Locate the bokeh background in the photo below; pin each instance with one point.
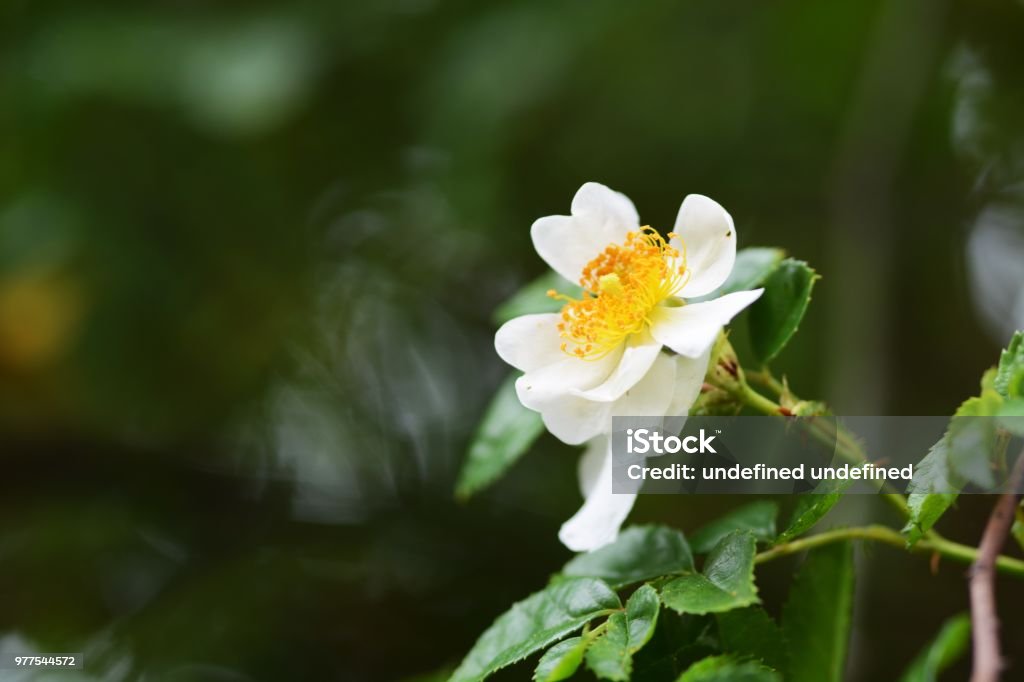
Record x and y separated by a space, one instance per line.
249 254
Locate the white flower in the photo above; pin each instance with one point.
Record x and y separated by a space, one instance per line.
598 521
602 355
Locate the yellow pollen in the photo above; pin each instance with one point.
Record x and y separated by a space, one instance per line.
621 286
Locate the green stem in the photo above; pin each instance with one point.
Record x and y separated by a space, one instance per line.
756 401
766 379
849 449
952 550
591 635
846 446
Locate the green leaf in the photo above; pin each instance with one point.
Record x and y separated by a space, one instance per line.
642 616
609 657
985 405
949 645
971 448
728 669
751 632
939 477
816 618
561 660
639 553
1009 380
756 517
753 266
536 622
932 474
1018 527
811 507
727 581
506 432
775 317
679 641
533 298
1011 416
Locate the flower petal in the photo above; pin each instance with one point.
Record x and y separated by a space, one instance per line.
598 521
575 420
690 329
588 469
530 342
652 394
603 206
637 358
599 217
709 237
690 374
537 387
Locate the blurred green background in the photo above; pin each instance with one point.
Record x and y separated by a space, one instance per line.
249 252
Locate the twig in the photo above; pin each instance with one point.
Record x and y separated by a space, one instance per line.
936 546
845 446
767 380
984 619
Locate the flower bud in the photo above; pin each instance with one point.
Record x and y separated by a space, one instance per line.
724 371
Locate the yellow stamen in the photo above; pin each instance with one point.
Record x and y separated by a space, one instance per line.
622 285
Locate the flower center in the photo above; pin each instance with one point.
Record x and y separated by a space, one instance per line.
621 286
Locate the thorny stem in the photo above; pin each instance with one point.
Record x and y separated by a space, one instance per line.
767 380
952 550
756 401
846 446
984 618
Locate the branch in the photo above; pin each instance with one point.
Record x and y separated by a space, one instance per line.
936 546
984 619
845 445
767 380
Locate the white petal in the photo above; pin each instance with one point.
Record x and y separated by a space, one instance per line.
599 217
598 521
690 374
690 329
637 358
538 387
599 205
652 395
589 467
709 237
530 342
564 244
576 420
